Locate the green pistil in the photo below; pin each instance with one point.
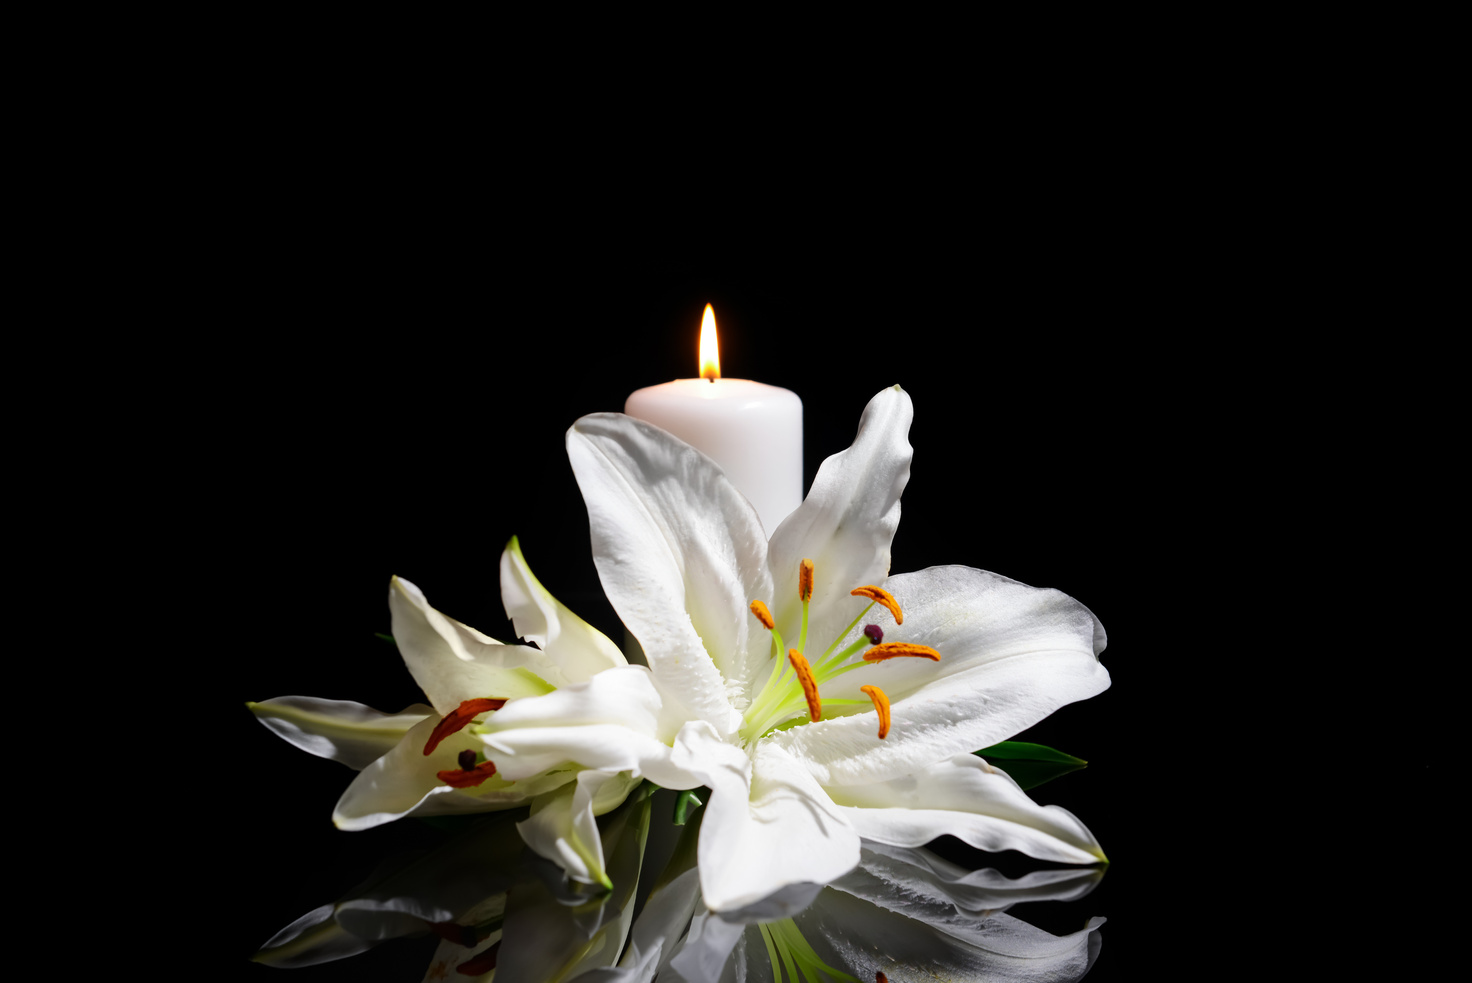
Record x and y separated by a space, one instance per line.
799 963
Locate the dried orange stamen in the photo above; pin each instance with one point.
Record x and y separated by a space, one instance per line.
457 719
881 706
467 777
883 597
805 580
893 650
763 615
809 684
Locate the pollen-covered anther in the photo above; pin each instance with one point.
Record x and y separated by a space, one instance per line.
805 580
895 650
763 615
467 777
458 718
881 707
881 596
809 684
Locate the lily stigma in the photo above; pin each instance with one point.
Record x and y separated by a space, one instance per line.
784 697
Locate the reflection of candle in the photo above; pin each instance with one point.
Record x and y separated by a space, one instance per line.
753 431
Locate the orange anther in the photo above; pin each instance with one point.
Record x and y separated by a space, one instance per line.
893 650
809 684
805 580
763 615
881 706
467 777
457 719
883 597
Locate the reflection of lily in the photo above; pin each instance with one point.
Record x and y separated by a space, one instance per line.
902 912
423 762
491 907
752 644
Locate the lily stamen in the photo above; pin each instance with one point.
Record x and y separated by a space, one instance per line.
805 594
894 650
881 707
777 703
809 684
882 596
467 777
770 624
458 719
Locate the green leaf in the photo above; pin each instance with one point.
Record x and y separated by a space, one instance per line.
387 638
1030 765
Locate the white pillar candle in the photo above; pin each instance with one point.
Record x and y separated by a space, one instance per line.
753 431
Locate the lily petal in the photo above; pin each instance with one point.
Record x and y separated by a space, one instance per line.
314 938
1010 656
339 730
562 824
452 662
863 939
971 801
768 829
847 522
555 941
578 649
919 884
405 781
656 932
681 554
616 721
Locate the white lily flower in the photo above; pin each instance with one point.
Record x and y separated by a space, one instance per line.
423 762
752 644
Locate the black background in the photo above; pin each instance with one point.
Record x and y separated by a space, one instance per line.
407 418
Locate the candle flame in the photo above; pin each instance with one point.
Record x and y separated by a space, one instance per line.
710 352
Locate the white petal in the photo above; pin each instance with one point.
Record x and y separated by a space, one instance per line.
846 524
452 662
554 941
312 939
660 925
681 555
862 939
971 801
705 950
1010 656
614 722
576 647
770 830
337 729
562 824
404 781
919 884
